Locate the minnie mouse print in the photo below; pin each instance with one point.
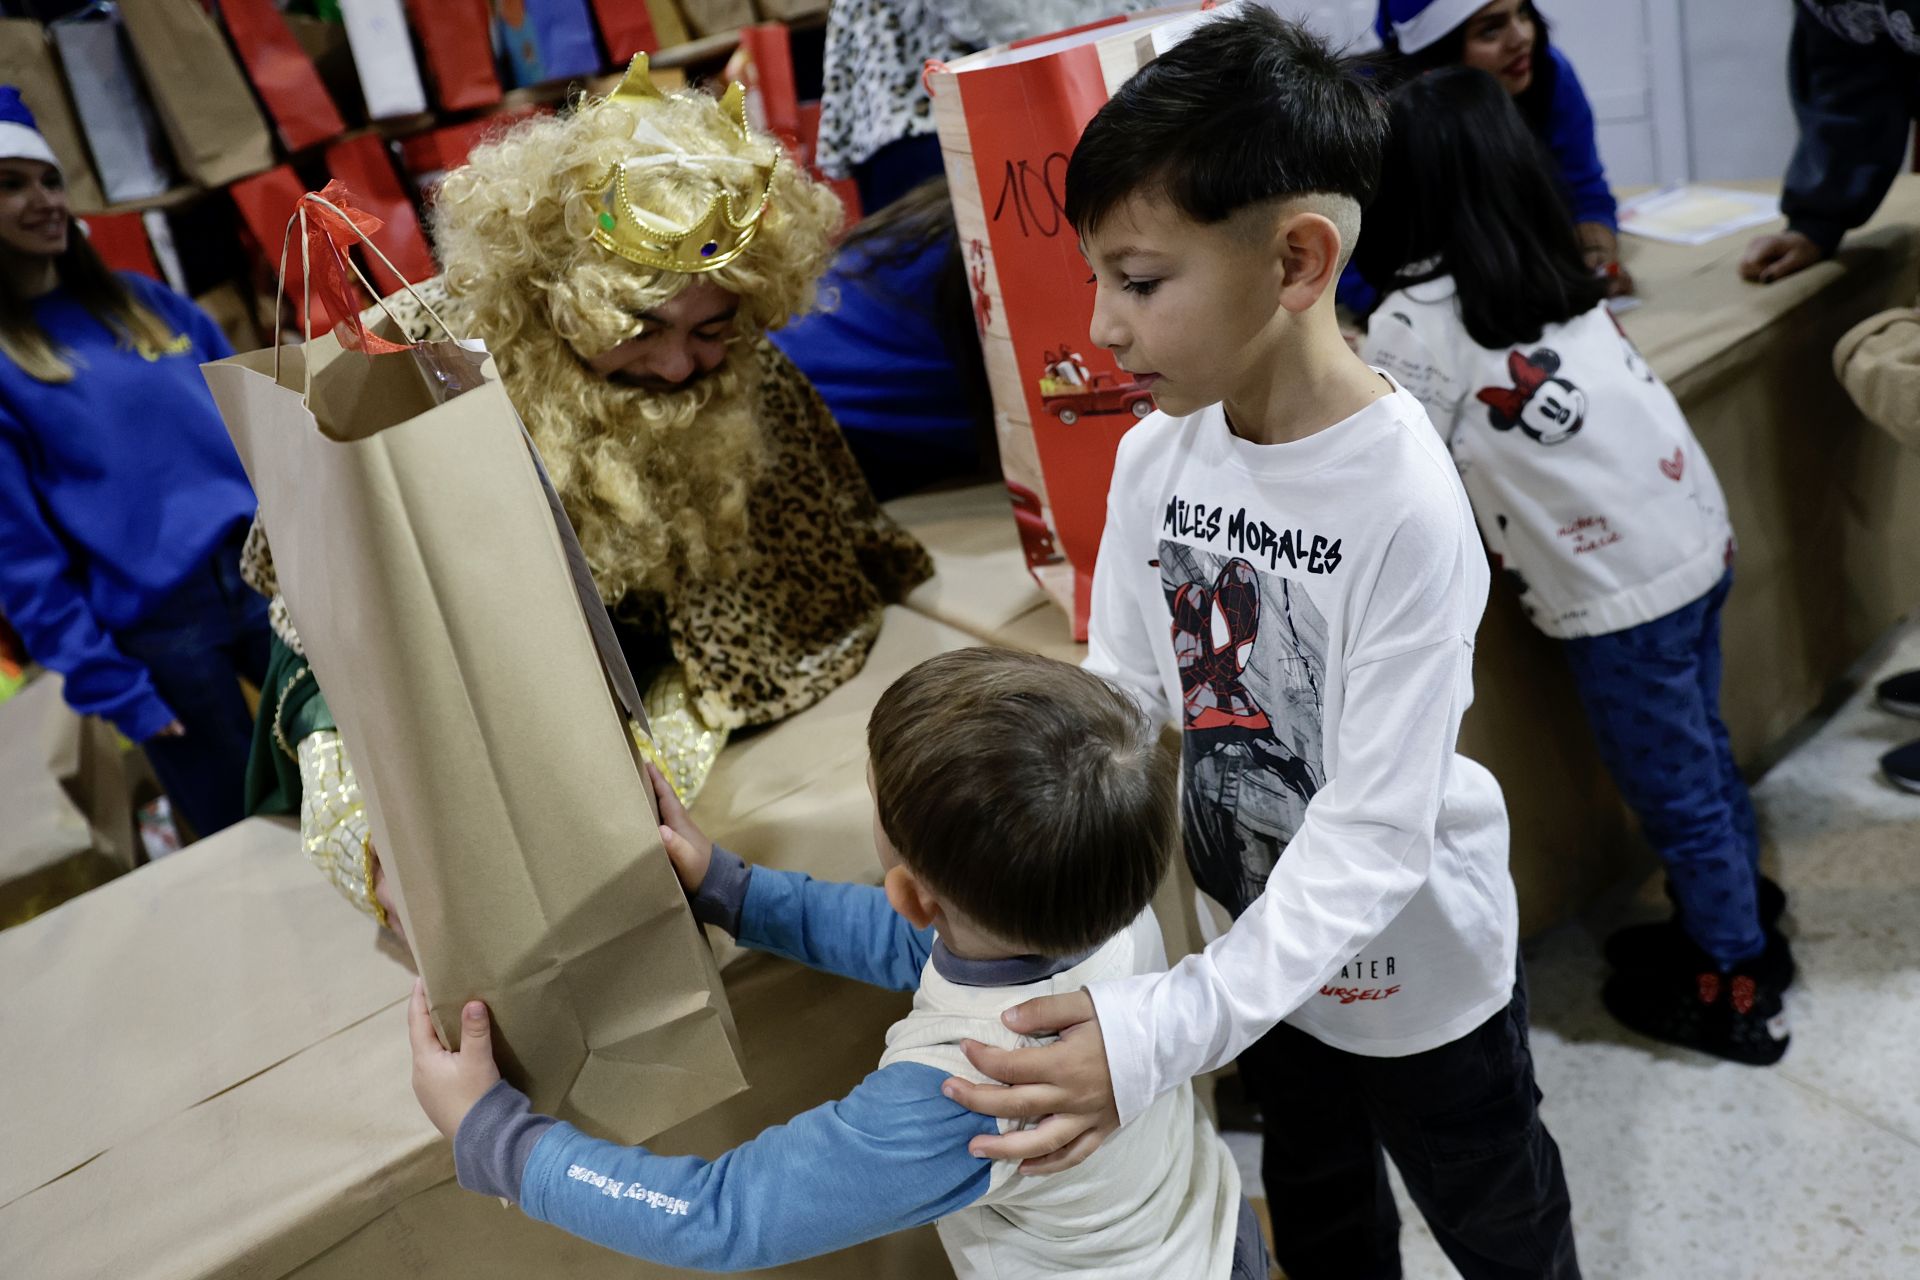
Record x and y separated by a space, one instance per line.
1547 408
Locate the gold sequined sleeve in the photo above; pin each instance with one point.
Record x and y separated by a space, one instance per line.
333 820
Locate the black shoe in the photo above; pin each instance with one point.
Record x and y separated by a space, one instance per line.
1646 950
1736 1016
1902 767
1901 694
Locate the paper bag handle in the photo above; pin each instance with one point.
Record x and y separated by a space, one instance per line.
299 217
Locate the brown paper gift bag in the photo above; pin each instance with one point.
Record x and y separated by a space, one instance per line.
209 112
66 816
27 62
428 568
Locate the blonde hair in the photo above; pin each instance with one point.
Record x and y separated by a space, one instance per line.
93 286
653 499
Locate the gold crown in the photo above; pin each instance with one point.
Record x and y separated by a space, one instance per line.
721 234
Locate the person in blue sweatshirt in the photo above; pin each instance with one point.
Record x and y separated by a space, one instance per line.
1508 40
894 351
1853 70
122 501
1025 812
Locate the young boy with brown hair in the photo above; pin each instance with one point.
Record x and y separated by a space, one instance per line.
1024 815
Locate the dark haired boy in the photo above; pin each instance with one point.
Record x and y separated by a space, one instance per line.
1290 567
1024 814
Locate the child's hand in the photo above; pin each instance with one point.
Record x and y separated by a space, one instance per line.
1064 1085
687 846
1777 256
448 1084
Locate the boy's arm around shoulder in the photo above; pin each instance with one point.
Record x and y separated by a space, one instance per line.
890 1155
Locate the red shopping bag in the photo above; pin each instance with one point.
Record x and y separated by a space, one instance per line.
362 164
303 111
121 241
265 202
630 27
456 36
1008 119
429 157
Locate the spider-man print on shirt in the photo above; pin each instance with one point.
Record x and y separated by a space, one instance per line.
1251 651
1546 408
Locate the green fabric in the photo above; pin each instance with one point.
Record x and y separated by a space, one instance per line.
273 777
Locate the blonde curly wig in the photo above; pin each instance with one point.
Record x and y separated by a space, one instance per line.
655 484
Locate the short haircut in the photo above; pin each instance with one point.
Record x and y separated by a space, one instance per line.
1031 795
1248 109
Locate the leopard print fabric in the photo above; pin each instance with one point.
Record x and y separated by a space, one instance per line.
799 620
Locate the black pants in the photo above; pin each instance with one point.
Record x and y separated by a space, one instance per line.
1462 1123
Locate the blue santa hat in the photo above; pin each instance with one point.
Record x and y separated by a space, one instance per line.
19 134
1415 24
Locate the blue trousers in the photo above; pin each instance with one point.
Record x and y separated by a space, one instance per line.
1652 694
197 645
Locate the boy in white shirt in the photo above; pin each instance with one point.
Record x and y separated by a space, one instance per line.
1290 567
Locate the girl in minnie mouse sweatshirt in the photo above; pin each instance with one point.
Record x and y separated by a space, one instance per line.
1602 510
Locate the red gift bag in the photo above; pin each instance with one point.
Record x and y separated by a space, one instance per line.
265 202
428 157
456 36
362 164
1008 119
630 27
285 76
121 241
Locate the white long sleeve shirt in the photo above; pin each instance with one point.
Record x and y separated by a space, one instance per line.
1306 612
1591 491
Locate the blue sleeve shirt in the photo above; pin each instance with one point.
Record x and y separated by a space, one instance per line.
113 487
890 1155
1570 136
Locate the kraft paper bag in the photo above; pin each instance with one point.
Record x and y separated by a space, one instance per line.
437 589
210 115
122 133
710 17
27 63
66 817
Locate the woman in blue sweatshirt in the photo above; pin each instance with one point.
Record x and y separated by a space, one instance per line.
122 502
1508 40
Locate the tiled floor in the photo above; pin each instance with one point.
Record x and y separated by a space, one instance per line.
1686 1168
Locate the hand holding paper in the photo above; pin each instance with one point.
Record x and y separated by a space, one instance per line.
688 847
447 1084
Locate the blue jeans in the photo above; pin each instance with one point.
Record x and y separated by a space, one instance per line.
1652 694
197 646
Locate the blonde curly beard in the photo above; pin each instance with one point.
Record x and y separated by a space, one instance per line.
656 483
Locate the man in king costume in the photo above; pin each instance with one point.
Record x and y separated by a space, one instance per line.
623 263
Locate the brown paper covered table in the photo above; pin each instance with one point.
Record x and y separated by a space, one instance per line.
207 1060
1827 511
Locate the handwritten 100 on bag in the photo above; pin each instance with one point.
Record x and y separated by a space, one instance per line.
1008 119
